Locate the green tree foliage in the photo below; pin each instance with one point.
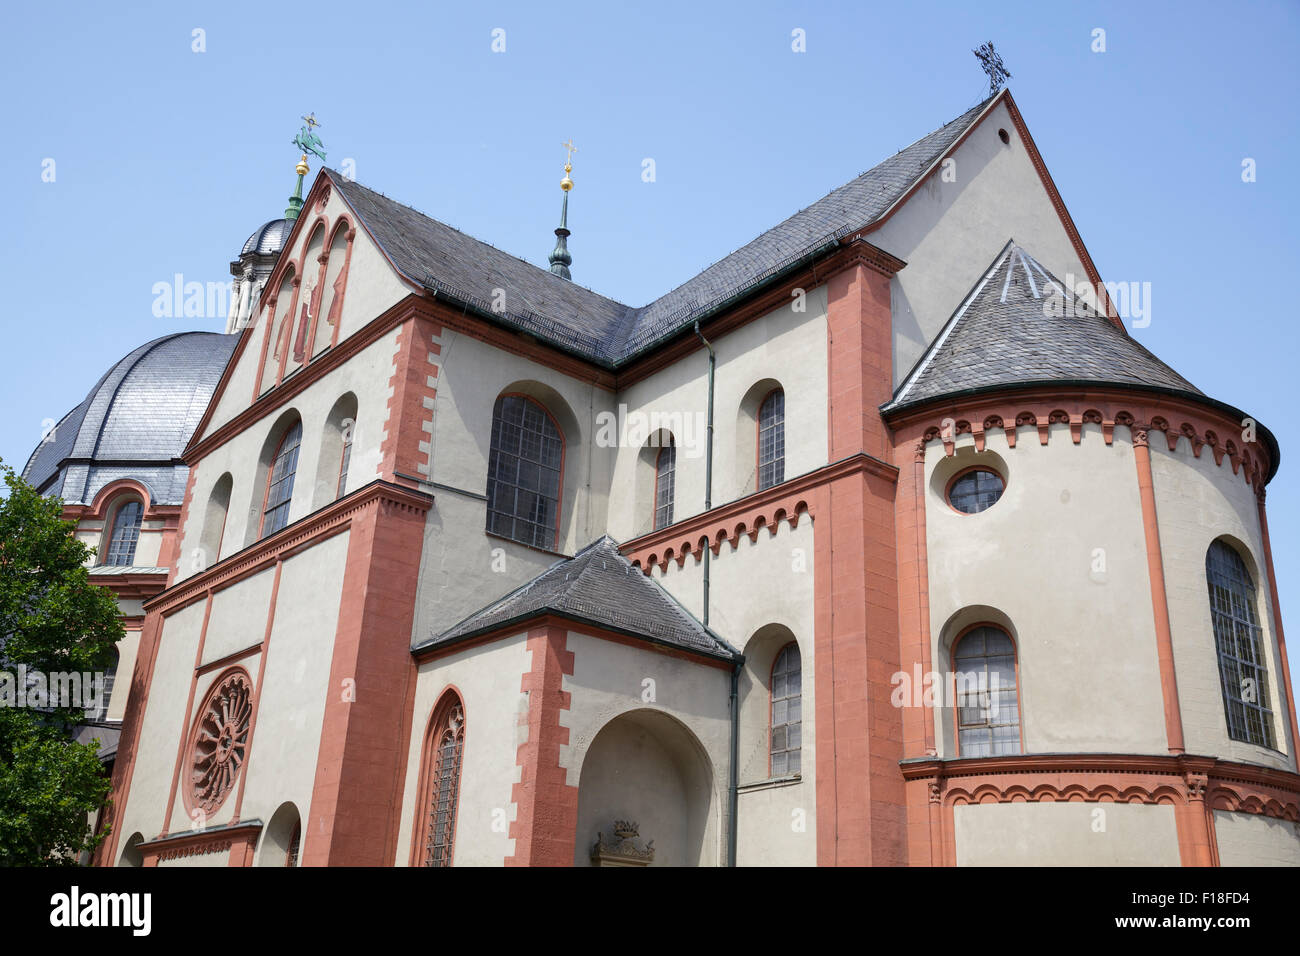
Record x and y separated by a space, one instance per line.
52 620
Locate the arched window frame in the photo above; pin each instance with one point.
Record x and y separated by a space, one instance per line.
1228 620
281 503
966 472
450 705
775 463
665 484
113 549
492 479
796 698
956 703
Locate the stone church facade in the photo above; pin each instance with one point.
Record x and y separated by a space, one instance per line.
881 541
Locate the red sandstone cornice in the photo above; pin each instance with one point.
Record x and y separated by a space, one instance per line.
1177 780
748 515
328 521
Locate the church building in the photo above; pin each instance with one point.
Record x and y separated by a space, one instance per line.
881 541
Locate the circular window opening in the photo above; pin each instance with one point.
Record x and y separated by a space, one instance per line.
975 490
1004 136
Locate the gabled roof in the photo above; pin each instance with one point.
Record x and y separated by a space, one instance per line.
597 586
1020 325
436 256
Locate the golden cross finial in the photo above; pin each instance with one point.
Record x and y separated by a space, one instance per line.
568 159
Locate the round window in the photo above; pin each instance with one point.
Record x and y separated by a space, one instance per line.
975 490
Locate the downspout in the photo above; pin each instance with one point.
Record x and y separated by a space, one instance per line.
732 791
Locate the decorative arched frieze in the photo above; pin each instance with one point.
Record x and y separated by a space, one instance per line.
1199 426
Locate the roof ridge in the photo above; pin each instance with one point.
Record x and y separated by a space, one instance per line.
469 235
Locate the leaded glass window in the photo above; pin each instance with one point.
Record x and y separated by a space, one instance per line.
665 481
125 534
1238 638
988 712
787 711
279 488
523 488
975 491
448 748
771 440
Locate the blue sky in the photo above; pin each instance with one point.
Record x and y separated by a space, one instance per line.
166 158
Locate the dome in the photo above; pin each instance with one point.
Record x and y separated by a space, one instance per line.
135 422
269 238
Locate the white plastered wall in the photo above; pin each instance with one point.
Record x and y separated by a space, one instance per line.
489 681
367 375
1252 839
1066 834
162 724
291 711
949 232
764 582
372 288
784 346
1087 662
1198 501
609 680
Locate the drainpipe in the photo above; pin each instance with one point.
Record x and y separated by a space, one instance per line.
732 791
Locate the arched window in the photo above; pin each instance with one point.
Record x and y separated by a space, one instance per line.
279 483
787 711
523 488
665 483
988 711
446 746
125 532
771 440
1239 640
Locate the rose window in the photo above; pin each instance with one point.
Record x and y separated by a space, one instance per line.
220 742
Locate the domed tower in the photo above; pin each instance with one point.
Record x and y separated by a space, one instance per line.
252 268
1093 597
115 460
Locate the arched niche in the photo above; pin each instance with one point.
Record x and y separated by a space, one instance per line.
647 767
282 839
215 515
339 431
131 855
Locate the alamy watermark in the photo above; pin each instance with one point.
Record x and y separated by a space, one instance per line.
60 689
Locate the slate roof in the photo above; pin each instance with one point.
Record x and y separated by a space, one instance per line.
135 422
600 586
269 238
1020 325
600 329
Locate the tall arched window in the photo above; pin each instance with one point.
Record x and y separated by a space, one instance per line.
124 533
279 482
523 488
771 440
988 710
787 711
665 484
446 746
1243 673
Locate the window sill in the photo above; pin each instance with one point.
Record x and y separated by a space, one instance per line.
530 547
774 783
